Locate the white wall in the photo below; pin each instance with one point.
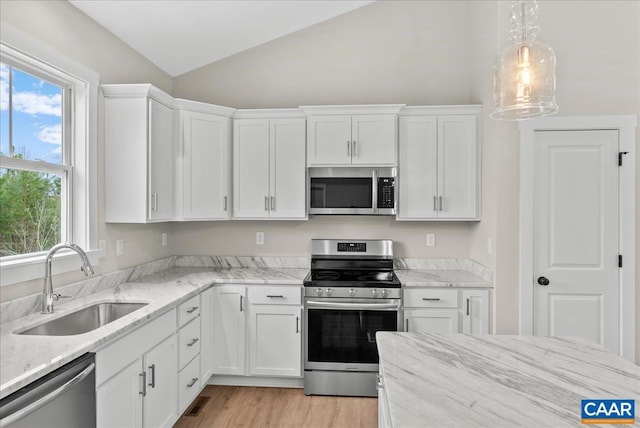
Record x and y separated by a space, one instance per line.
65 29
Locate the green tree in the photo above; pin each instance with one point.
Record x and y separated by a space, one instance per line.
29 211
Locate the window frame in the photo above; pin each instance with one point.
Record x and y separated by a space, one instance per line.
81 218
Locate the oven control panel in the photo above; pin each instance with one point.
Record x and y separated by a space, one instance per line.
354 292
352 247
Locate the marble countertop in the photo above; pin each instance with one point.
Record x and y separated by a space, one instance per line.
27 358
498 380
441 278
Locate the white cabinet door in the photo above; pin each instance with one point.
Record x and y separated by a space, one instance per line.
206 335
160 161
275 340
119 399
458 155
161 366
374 139
443 321
251 168
287 168
417 180
475 316
229 326
329 140
205 166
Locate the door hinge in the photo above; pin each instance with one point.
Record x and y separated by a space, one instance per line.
619 260
620 157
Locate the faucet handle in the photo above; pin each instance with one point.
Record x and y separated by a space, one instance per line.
57 296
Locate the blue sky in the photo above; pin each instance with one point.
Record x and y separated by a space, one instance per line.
37 116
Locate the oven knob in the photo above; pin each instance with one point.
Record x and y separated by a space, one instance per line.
329 292
352 292
374 292
319 291
383 292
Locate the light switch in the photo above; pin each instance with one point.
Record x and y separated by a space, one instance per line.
119 247
259 238
164 239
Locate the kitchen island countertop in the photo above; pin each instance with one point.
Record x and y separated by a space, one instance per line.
433 380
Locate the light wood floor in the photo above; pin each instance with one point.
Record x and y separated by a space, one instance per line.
242 406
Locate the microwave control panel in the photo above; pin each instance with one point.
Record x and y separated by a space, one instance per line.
386 192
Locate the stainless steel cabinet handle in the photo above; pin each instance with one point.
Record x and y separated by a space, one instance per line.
468 309
152 370
193 382
273 203
225 203
241 298
192 309
273 296
435 203
153 202
16 416
297 324
143 375
353 150
157 203
406 324
266 203
440 202
431 299
193 342
348 148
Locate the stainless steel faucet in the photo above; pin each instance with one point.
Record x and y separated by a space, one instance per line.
48 297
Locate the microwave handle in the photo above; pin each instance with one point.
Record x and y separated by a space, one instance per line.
374 189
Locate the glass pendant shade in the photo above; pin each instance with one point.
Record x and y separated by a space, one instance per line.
524 73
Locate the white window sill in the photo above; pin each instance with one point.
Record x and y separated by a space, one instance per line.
28 268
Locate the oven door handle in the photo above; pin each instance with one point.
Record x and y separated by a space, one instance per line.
356 306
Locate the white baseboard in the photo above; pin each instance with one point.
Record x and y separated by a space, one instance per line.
273 382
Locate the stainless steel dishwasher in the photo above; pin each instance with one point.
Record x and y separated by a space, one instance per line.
64 398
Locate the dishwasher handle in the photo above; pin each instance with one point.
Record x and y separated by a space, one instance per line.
27 410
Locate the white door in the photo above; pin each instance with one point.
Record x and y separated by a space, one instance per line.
161 365
457 167
119 399
160 161
275 340
287 168
251 168
329 140
205 167
575 261
374 139
417 193
229 325
443 321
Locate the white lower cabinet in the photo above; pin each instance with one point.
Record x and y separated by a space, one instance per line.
266 321
136 377
189 384
433 310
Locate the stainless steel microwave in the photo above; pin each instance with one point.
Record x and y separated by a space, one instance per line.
362 191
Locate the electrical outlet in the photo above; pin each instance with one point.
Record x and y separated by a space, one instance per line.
259 238
102 247
164 239
119 247
431 239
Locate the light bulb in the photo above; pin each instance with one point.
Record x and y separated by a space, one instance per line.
525 76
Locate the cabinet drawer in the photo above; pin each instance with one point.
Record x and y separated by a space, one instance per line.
266 295
188 384
188 310
188 342
430 298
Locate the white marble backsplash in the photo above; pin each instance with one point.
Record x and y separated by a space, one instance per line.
243 262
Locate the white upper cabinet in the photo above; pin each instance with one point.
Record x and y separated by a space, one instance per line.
269 174
203 162
439 164
352 135
139 150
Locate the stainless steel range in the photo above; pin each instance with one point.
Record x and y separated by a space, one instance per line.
350 294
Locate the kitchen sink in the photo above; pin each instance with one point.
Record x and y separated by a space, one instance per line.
84 320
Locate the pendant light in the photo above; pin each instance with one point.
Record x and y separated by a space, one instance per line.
524 73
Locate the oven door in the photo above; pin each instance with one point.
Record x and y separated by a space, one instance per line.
340 334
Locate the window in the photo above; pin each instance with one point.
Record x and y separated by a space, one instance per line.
35 171
48 157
